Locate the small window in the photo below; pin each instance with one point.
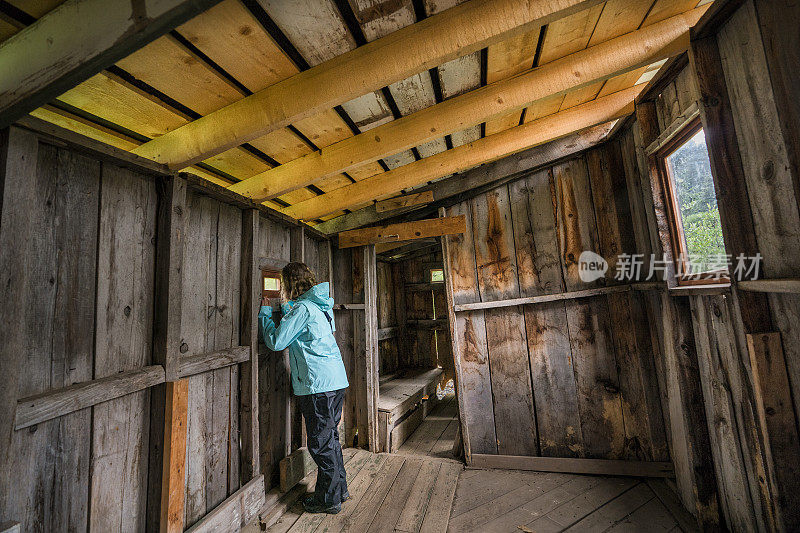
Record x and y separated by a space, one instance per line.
271 284
695 225
437 275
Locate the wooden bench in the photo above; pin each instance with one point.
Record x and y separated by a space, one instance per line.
403 402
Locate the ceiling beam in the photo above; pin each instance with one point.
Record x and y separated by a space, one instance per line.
475 179
404 231
400 202
455 32
608 59
491 148
75 41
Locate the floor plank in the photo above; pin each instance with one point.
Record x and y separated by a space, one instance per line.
570 512
437 514
389 512
413 512
371 502
359 489
616 510
652 516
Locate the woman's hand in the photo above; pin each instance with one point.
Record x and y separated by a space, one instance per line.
265 302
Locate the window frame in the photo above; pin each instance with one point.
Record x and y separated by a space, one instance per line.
270 273
674 217
430 274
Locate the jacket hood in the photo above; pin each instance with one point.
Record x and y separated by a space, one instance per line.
318 294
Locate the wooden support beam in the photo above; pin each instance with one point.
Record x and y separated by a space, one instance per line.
172 214
169 275
59 402
611 58
407 231
602 467
454 346
777 418
456 32
250 295
476 180
371 343
510 141
571 295
364 385
238 510
407 200
173 476
205 362
786 285
75 41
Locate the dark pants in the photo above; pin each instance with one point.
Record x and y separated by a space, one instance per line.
323 412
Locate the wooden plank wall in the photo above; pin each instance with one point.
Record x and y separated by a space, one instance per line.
389 290
210 322
79 293
572 378
703 339
64 327
274 386
354 274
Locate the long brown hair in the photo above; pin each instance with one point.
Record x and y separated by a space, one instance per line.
296 279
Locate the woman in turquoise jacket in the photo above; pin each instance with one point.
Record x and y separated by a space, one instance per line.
318 375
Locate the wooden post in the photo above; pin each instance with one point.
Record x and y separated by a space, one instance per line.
297 239
371 343
174 470
250 291
166 332
451 319
365 387
169 276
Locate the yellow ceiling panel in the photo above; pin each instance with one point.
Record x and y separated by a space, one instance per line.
103 95
282 145
569 34
170 68
238 162
230 35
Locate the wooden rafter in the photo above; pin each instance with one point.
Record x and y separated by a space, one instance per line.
484 150
408 200
455 32
76 41
405 231
603 61
477 179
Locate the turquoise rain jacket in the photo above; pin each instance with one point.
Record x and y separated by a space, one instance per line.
314 357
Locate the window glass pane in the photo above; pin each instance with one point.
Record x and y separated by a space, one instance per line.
694 190
437 275
272 284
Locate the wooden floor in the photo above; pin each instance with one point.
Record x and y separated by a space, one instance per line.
435 436
423 488
514 501
387 493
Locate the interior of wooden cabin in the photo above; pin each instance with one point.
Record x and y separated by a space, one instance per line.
562 238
